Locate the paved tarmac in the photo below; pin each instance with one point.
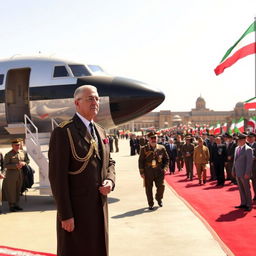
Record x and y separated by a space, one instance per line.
173 230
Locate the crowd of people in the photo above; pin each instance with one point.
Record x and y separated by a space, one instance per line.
228 158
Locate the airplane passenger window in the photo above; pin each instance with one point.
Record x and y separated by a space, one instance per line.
96 68
1 79
79 70
60 71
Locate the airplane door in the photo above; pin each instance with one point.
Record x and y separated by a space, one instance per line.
17 95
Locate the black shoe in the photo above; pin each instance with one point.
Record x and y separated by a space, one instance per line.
204 181
151 208
160 203
18 208
247 208
240 206
12 209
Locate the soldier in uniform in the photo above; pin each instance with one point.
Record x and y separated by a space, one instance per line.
179 159
14 160
81 175
187 152
153 162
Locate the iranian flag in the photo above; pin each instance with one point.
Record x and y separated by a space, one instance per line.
232 127
245 46
211 129
224 127
252 123
217 129
251 103
240 125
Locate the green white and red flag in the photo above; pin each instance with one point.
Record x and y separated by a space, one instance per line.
231 129
224 127
251 103
245 46
211 129
252 123
217 129
240 125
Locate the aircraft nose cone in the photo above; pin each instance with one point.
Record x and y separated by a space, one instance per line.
128 99
132 99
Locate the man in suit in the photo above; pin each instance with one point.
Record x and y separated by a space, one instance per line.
251 142
210 146
81 175
230 146
242 169
172 153
218 160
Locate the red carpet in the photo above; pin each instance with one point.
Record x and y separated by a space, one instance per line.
8 251
235 227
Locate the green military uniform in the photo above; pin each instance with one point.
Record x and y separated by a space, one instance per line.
179 158
153 162
13 177
187 152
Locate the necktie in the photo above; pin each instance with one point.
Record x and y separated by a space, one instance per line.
238 151
93 133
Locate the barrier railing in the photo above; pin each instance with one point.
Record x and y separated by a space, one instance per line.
34 136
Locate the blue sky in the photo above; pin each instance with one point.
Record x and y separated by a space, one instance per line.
171 45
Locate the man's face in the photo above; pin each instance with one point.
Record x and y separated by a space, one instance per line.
87 104
250 139
16 146
152 141
218 140
241 142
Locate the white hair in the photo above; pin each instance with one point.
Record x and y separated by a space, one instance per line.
81 89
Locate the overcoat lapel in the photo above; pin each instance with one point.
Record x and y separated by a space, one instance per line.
82 129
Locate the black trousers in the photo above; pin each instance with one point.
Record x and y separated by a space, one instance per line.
219 171
172 165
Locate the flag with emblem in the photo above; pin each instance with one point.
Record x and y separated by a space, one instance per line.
244 46
251 123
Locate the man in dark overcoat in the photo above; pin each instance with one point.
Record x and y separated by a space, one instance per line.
81 174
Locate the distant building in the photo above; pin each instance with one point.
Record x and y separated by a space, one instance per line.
198 115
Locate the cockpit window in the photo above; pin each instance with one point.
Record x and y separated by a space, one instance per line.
1 79
96 69
79 70
60 71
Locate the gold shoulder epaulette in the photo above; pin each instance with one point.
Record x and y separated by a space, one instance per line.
64 123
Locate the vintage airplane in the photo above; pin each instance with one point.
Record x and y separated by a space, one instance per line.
43 87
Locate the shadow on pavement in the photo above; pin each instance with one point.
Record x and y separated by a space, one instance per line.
113 200
34 203
133 213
